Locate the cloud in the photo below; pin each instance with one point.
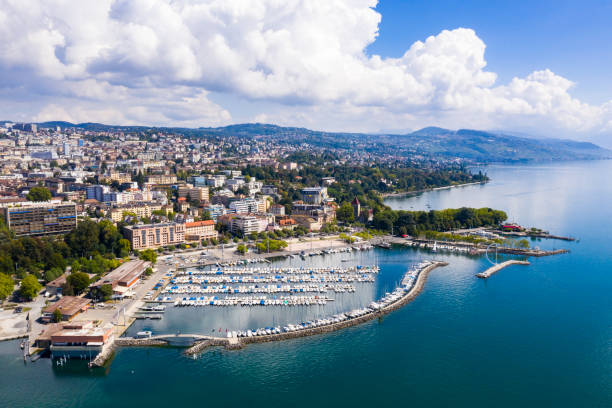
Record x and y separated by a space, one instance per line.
156 62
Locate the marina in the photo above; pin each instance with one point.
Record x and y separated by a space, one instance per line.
411 284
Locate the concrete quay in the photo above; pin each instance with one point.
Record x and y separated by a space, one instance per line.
498 267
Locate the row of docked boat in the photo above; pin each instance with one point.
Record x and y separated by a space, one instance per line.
294 300
278 279
281 270
328 251
407 283
435 247
241 289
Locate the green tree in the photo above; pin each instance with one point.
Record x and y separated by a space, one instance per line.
345 213
148 272
79 281
53 274
103 292
39 193
6 286
242 249
57 315
149 255
30 287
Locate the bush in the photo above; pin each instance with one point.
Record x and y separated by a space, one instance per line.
6 286
57 316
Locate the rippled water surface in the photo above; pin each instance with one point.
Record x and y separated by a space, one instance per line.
530 336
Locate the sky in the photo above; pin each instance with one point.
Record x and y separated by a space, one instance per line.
540 68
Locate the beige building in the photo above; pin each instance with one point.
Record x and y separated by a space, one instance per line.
154 235
195 231
194 193
140 209
161 179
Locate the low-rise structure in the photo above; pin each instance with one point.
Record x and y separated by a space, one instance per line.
123 278
69 306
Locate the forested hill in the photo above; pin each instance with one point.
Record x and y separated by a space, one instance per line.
498 147
431 142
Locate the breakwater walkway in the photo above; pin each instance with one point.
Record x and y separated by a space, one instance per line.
200 342
498 267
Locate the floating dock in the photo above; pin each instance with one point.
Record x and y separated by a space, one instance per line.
498 267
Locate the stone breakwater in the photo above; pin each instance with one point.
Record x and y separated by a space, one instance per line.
498 267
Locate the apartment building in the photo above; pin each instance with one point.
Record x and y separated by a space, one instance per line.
161 179
198 230
146 236
194 193
248 224
40 218
142 210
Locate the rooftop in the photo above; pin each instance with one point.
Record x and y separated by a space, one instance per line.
68 305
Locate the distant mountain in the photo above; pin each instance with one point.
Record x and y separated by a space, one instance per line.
429 143
495 147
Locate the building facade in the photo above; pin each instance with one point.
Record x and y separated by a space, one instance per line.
195 231
154 235
40 218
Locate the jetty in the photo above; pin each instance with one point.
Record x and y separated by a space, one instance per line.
498 267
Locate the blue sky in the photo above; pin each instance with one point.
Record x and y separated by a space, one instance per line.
571 38
538 67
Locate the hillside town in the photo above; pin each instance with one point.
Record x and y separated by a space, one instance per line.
85 214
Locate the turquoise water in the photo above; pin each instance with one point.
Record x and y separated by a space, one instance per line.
530 336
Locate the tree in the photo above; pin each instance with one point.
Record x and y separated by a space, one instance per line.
103 292
57 315
345 213
149 255
242 249
29 287
148 272
39 193
523 243
79 281
6 286
53 274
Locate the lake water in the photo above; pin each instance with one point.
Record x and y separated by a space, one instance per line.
529 336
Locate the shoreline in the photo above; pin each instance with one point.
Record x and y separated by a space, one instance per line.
425 190
238 343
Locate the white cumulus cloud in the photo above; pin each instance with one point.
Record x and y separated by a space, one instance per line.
157 61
